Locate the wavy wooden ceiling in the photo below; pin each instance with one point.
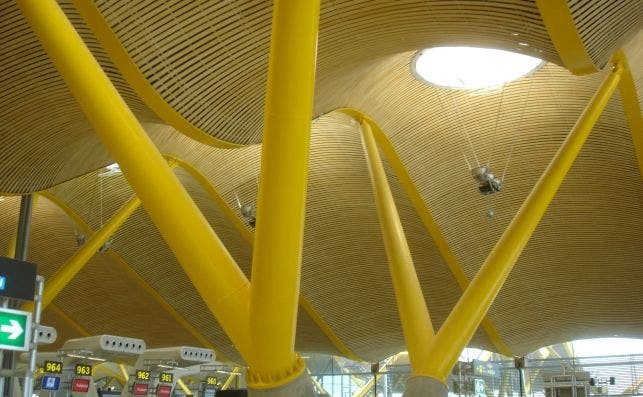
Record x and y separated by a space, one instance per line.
207 60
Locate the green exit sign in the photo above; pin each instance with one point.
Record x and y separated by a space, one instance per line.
15 329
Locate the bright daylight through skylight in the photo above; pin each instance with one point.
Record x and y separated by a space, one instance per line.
471 68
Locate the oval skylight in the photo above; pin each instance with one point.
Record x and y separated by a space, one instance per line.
471 68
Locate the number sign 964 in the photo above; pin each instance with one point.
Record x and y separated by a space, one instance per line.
53 367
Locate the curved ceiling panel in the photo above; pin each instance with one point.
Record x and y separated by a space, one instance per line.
605 25
578 269
208 60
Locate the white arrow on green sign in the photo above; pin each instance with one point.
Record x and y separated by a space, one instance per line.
15 329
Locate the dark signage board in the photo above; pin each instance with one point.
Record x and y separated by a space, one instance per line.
17 279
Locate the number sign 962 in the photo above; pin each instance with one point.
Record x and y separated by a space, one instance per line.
142 375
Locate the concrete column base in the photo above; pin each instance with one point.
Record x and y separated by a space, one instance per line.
423 386
300 387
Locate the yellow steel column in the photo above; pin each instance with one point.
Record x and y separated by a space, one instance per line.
630 100
124 371
210 267
429 222
183 387
236 371
560 24
80 258
281 202
416 322
472 306
242 228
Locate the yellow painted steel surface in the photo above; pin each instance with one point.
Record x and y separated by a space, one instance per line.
75 264
127 268
428 220
632 107
276 263
135 78
183 387
414 315
236 372
564 35
222 285
241 227
465 317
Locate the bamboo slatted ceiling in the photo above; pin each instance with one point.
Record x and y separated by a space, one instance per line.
207 62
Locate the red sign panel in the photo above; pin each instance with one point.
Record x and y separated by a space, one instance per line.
139 389
80 385
163 391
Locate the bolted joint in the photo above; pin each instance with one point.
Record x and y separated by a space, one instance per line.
269 380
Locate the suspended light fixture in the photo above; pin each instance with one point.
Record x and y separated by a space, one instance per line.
471 68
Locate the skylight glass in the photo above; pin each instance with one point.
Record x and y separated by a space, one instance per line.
471 68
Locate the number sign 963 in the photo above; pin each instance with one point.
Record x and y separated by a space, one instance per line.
83 369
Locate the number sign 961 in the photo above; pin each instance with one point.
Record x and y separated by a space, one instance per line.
166 377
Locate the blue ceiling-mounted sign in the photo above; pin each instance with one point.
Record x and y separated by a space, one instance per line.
50 383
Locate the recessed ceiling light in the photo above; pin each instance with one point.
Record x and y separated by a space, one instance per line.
471 68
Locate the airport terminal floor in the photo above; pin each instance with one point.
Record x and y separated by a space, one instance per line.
320 198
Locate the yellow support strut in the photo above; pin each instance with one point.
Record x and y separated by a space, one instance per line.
276 262
416 322
247 235
632 108
80 258
564 35
430 224
465 317
210 267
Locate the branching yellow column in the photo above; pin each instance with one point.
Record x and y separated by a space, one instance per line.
465 317
630 100
276 264
422 209
416 322
80 258
210 267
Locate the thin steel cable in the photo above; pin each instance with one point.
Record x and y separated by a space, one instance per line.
495 126
461 124
512 145
464 131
